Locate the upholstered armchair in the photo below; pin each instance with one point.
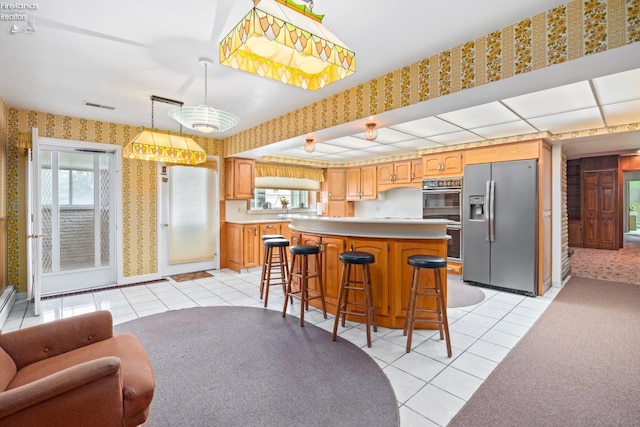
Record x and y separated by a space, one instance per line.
74 372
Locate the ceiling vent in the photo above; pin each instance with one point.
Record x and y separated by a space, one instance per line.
93 104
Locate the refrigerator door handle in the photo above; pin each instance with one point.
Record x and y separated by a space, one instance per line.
487 217
492 211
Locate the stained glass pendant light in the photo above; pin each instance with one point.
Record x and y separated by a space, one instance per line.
204 118
285 41
155 146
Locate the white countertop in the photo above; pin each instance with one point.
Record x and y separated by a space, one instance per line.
382 227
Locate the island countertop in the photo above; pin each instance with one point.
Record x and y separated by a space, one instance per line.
377 227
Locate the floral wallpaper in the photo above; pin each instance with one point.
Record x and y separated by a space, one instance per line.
564 33
139 193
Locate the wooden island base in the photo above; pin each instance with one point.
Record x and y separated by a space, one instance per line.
390 273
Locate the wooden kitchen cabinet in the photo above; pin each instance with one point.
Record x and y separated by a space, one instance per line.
244 242
332 247
400 174
251 244
243 246
443 164
402 276
333 194
239 178
362 183
335 184
379 272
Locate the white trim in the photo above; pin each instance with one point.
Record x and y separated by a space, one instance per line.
556 215
117 183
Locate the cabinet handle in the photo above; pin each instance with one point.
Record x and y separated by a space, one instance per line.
413 175
255 231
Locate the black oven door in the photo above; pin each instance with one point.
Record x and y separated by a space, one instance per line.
454 244
441 204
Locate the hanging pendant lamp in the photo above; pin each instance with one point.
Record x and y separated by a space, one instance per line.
204 118
285 41
155 146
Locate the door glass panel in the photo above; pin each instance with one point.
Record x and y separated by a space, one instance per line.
105 210
77 213
46 198
191 214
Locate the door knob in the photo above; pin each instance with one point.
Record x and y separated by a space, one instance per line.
165 225
36 236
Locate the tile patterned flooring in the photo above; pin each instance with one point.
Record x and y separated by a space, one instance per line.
430 387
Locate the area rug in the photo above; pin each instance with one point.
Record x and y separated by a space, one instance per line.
246 366
459 294
622 265
191 276
577 366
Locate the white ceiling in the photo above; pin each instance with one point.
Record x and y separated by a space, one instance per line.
119 53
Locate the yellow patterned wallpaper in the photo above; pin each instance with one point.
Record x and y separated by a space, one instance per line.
567 32
564 33
138 187
4 128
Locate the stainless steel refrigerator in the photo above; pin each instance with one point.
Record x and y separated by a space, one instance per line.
499 227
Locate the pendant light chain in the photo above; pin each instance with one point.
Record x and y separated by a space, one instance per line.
205 83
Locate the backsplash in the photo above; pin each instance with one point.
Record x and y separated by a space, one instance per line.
403 202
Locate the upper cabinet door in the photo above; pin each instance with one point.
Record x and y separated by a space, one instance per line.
239 178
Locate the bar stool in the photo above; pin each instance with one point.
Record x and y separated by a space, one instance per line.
347 283
263 274
276 267
437 265
300 271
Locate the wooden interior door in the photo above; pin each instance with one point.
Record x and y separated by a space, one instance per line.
600 209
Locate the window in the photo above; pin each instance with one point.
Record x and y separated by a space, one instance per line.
267 198
75 187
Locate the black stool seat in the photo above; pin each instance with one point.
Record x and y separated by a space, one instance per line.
354 257
305 250
276 243
272 236
427 261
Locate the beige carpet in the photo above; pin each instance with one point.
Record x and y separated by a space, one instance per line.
621 265
577 366
459 294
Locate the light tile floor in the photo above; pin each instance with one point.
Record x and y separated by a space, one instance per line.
430 387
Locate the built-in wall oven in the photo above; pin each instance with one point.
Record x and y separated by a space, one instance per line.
442 199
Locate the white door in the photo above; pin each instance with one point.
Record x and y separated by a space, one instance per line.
34 254
189 219
74 215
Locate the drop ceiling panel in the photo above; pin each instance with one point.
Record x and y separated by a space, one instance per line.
321 147
351 143
387 136
456 138
571 97
618 87
503 130
622 113
417 144
387 150
480 115
588 118
426 127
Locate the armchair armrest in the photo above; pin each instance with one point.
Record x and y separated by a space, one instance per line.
52 399
29 345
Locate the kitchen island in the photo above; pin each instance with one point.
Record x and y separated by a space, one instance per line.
390 240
